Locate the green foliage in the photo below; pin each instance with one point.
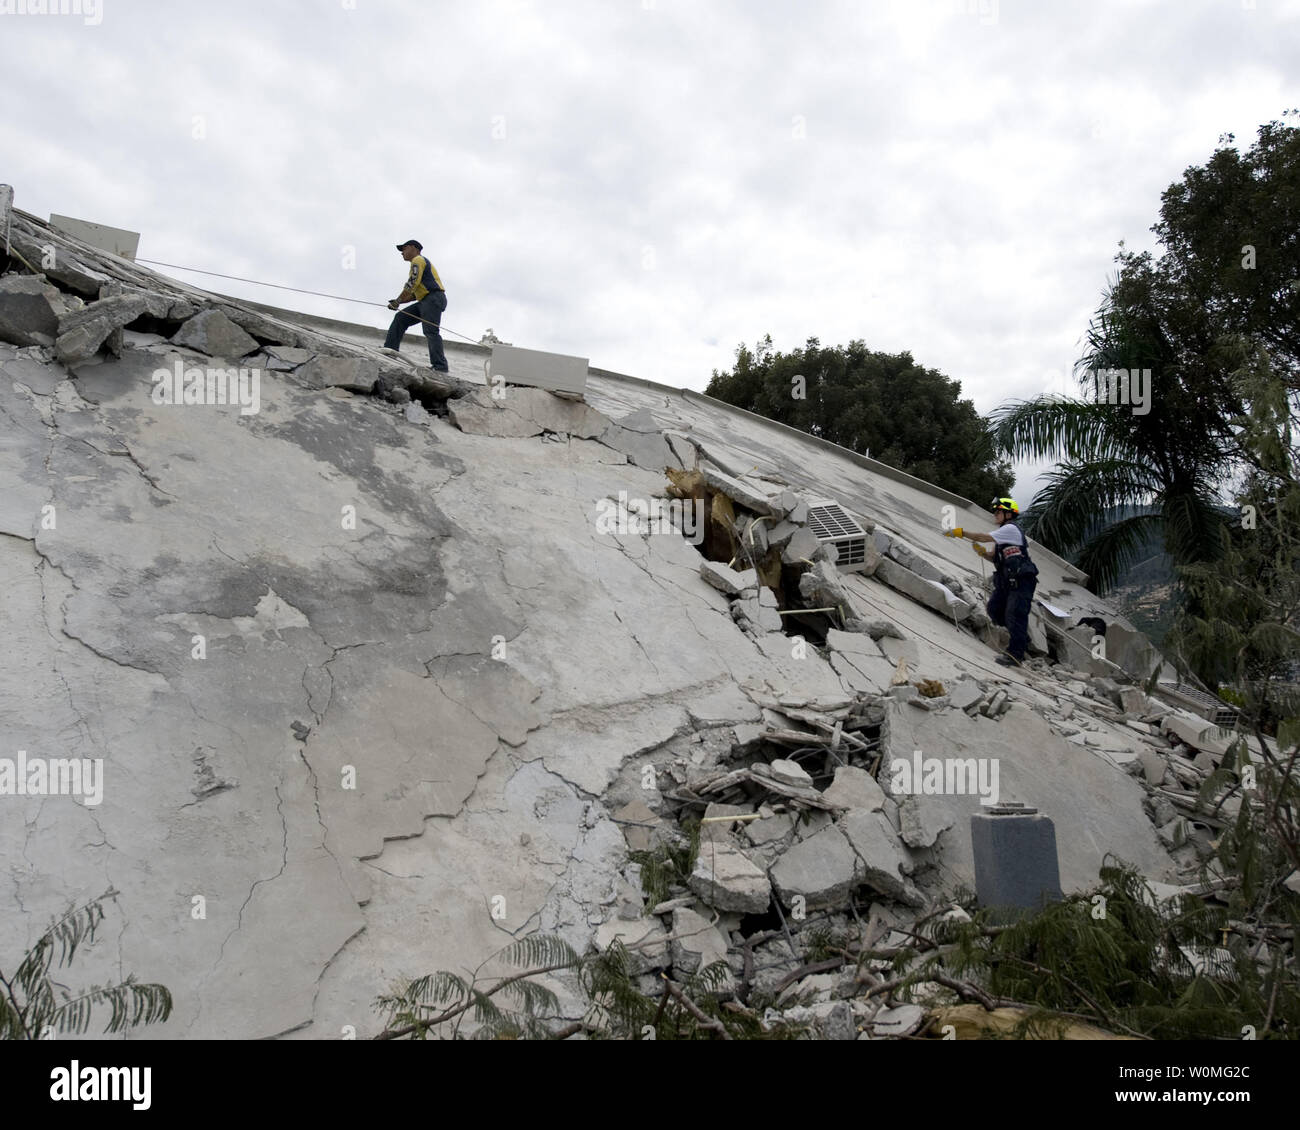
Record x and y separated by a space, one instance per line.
1129 963
439 1004
1240 621
880 404
416 1008
32 1004
667 864
1220 304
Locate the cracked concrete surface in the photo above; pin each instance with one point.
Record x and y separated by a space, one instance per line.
360 682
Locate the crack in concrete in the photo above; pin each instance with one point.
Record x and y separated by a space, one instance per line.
153 482
239 923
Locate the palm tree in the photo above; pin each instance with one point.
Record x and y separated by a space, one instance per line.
1126 475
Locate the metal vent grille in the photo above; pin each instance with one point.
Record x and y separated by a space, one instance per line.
830 522
1206 705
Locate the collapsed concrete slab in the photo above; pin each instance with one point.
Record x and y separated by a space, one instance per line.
930 593
29 310
524 412
82 332
1095 806
882 863
821 869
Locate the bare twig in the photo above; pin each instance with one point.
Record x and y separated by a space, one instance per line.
705 1020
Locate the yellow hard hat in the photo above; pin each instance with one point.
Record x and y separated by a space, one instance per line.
1004 504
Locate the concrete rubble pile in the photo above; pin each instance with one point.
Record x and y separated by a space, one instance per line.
536 706
799 831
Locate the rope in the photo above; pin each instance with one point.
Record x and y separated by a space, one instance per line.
299 290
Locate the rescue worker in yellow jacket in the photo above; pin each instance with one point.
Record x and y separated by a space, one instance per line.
423 288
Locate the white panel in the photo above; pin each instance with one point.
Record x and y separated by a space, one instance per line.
116 240
555 371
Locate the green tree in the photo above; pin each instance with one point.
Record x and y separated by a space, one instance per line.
33 1005
880 404
1226 285
1240 627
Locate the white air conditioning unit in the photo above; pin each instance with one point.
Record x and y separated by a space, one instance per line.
1198 702
832 524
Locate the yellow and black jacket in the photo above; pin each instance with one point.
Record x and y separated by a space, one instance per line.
423 278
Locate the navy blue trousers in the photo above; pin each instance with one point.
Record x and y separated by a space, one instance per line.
1009 608
429 308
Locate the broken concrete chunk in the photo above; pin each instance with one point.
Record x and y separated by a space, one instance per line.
897 1022
356 374
725 878
930 593
802 545
29 310
695 943
910 560
639 825
764 831
648 937
416 413
715 828
964 693
1196 732
260 326
790 772
1154 766
780 534
882 861
290 355
822 868
641 450
211 332
853 643
755 614
741 493
728 580
82 332
922 822
64 267
854 788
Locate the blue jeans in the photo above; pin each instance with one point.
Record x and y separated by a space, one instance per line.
1009 608
430 309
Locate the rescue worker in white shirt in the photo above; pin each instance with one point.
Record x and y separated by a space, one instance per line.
424 288
1014 577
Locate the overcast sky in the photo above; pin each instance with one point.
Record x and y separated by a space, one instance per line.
648 183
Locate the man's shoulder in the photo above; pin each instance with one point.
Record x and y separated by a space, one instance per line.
1008 535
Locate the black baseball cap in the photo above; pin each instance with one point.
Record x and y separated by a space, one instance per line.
418 245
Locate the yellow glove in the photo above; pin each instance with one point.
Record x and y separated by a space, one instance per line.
957 533
979 548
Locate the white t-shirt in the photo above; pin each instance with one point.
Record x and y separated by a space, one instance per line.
1008 534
